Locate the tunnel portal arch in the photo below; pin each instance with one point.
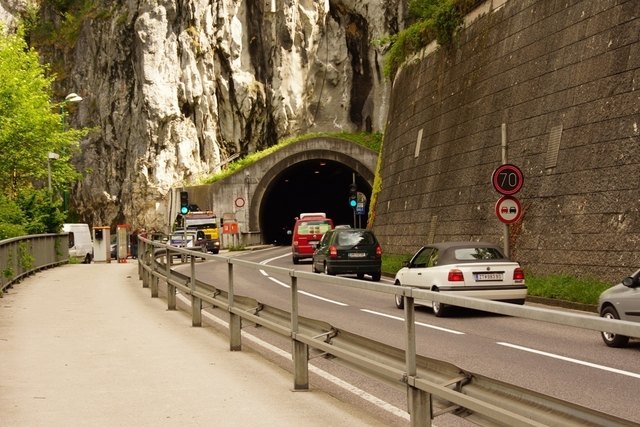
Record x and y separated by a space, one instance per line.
311 180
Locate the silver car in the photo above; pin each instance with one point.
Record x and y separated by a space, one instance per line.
621 301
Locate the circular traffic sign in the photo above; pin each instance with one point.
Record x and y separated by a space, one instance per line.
239 202
507 179
508 209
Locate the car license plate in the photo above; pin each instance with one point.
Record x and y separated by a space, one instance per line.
313 242
488 276
357 254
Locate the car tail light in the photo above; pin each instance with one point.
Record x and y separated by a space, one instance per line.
295 243
456 276
518 274
378 251
333 252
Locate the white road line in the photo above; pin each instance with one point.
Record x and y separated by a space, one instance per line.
273 279
568 359
267 261
323 374
426 325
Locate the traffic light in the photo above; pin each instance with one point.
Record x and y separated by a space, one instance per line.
184 202
353 195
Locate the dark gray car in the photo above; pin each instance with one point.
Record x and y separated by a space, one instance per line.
349 251
621 301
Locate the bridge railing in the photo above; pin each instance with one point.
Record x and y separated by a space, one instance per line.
21 256
433 387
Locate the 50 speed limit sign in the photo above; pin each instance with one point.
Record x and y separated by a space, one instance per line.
507 179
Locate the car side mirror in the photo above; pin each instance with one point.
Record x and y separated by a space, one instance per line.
405 264
630 282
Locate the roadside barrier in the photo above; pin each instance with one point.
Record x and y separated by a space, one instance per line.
22 256
433 387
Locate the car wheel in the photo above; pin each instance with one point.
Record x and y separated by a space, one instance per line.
327 271
376 276
296 260
439 309
609 338
399 298
87 259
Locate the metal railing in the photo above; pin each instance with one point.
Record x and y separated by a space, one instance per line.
433 387
21 256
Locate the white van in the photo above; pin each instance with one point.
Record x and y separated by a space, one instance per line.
80 244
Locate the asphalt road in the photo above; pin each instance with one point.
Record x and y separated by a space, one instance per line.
567 363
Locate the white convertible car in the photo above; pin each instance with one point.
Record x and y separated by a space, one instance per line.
474 269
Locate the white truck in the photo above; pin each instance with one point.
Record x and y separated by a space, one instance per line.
80 243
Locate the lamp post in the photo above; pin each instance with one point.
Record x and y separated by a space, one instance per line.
51 156
72 97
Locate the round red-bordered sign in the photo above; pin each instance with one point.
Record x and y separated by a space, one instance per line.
508 209
507 179
239 202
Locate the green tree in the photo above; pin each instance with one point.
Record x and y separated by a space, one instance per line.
11 219
30 124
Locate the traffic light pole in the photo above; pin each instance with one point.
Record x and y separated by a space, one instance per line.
353 196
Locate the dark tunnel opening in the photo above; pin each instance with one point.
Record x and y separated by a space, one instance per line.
311 186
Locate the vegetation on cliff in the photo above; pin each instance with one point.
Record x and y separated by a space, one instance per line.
373 141
438 20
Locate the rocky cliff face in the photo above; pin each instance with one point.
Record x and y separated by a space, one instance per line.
175 88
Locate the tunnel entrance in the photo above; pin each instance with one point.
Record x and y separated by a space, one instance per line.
316 185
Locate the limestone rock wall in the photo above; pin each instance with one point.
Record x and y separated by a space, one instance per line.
564 78
174 88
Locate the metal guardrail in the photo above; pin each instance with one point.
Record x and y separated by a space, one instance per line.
433 387
21 256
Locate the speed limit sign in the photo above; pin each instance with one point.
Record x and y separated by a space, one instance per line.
507 179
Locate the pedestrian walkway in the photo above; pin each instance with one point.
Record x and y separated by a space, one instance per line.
86 345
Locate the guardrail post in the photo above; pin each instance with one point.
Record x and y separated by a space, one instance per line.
171 289
235 321
196 303
419 401
153 269
142 273
300 350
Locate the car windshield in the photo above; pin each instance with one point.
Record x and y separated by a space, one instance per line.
472 254
353 238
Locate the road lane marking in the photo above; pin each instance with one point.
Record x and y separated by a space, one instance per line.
322 373
273 279
284 285
568 359
426 325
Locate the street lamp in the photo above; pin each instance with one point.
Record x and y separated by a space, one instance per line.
72 97
51 156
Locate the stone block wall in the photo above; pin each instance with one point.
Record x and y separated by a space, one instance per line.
563 77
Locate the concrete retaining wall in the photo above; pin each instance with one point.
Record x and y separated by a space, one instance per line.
563 78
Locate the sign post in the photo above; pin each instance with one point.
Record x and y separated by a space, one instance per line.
507 180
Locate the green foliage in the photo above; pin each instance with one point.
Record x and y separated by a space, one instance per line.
391 263
373 141
12 219
63 32
32 213
42 214
567 288
433 20
26 259
29 128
